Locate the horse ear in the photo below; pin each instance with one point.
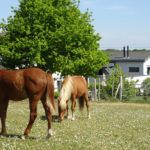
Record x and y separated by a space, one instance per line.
48 71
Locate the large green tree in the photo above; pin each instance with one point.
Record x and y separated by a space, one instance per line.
54 34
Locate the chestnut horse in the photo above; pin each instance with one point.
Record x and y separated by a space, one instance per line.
73 87
32 83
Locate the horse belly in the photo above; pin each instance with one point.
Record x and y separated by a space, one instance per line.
80 92
17 95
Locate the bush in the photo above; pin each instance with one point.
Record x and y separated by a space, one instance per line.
146 87
129 89
56 95
112 82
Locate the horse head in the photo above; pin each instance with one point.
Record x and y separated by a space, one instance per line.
62 106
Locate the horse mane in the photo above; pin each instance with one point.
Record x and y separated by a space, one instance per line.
66 90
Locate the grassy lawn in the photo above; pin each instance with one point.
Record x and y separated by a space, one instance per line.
117 126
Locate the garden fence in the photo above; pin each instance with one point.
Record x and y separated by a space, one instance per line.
96 86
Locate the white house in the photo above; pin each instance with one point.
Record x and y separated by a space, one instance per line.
135 64
57 81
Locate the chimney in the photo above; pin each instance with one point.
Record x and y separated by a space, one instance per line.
124 51
127 51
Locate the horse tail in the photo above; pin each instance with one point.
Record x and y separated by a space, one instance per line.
50 92
81 103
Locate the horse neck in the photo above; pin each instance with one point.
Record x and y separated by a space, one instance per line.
66 89
2 71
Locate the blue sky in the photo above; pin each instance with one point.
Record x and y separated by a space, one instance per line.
119 22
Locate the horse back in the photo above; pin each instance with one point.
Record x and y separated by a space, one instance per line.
34 79
20 84
80 85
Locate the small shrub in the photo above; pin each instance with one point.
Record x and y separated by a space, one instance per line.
56 95
146 87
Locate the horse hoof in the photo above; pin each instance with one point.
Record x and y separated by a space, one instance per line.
72 119
48 136
68 117
50 133
89 117
23 137
3 133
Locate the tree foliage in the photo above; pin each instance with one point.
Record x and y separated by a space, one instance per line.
113 80
129 90
54 34
146 87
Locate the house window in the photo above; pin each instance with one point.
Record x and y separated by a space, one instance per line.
134 69
148 70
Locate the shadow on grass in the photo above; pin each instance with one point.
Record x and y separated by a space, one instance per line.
17 136
55 118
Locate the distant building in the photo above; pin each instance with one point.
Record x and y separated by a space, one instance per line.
57 81
135 64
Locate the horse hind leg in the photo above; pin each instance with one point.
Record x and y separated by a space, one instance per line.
33 114
3 114
87 105
48 116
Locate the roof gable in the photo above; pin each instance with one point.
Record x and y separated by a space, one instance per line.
134 56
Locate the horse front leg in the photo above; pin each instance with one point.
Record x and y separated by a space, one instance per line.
48 116
67 109
73 104
3 114
33 115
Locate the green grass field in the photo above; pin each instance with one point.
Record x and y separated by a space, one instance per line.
113 126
